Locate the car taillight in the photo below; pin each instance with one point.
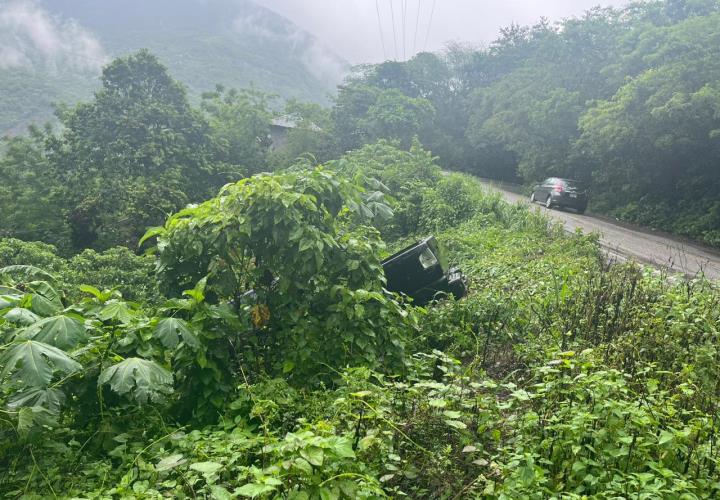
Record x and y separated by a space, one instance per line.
559 188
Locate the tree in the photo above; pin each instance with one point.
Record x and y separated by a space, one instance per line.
30 207
240 128
534 120
315 274
134 153
397 116
352 103
657 140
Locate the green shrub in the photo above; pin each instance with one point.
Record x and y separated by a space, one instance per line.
17 252
119 268
317 279
116 268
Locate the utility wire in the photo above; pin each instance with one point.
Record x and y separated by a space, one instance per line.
382 38
392 18
417 23
404 16
427 35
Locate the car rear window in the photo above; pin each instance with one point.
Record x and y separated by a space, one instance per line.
573 184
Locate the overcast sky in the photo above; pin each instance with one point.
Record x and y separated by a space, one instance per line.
351 27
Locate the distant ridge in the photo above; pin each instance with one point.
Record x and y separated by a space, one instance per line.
52 50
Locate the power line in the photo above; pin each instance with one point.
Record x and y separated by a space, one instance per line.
417 23
404 16
427 35
382 38
392 18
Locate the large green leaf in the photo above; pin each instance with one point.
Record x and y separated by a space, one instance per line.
30 417
42 306
45 300
206 467
313 454
21 316
145 380
169 331
170 462
9 301
8 290
35 362
252 490
26 273
103 296
60 331
25 421
151 232
49 398
116 310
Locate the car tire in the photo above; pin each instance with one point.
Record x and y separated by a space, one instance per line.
548 202
532 197
581 210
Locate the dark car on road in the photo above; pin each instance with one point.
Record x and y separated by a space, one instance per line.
563 193
422 272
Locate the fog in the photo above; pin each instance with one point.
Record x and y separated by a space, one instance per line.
357 30
30 35
353 27
313 52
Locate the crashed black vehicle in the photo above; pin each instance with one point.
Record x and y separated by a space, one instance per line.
421 271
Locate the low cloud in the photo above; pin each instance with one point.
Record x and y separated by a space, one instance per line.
319 60
254 24
324 64
31 37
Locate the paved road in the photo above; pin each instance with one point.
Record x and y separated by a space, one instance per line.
625 242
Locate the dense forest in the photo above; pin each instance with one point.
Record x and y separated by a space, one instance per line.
189 310
627 100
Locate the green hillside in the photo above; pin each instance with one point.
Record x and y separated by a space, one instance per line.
235 43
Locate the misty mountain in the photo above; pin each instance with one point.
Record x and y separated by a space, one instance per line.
52 50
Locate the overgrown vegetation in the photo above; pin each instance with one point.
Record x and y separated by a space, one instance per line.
557 376
253 351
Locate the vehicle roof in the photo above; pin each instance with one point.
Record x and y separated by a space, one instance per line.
566 180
